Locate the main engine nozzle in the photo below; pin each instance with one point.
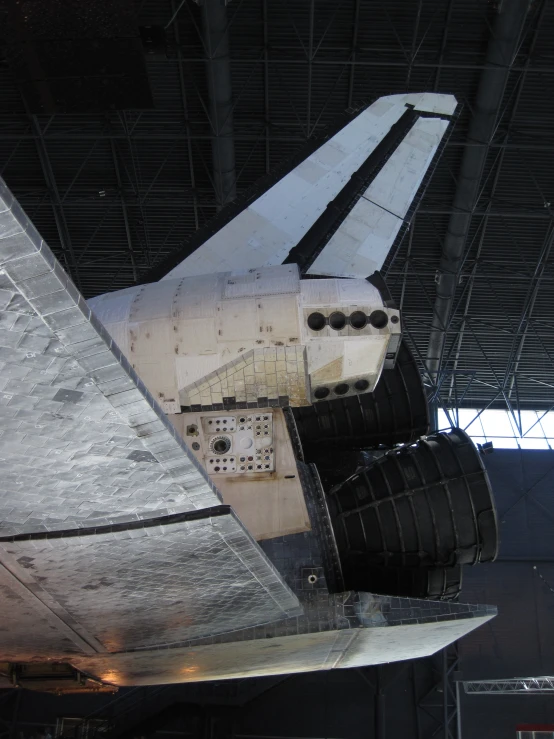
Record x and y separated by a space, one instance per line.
428 505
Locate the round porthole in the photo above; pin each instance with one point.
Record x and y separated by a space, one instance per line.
337 321
321 392
358 320
316 321
361 385
378 319
342 389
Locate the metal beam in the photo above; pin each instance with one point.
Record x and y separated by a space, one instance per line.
184 100
501 52
124 211
56 201
524 321
440 702
335 62
522 685
355 28
379 705
218 74
176 196
266 85
163 135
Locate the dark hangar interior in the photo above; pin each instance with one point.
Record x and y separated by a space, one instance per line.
126 126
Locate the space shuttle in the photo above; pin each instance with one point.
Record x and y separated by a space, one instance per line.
226 470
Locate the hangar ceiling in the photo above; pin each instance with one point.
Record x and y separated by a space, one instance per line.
238 88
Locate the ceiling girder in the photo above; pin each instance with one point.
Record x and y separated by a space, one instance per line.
501 52
220 93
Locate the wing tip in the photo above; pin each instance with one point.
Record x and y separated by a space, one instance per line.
427 102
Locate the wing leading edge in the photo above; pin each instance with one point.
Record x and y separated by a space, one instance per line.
377 161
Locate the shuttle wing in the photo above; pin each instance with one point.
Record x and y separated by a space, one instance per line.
336 212
112 536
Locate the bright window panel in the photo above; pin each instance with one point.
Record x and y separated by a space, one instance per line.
526 443
467 415
442 419
547 423
471 421
499 427
529 425
503 442
479 439
499 442
497 423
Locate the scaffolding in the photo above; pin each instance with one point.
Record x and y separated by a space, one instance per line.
523 685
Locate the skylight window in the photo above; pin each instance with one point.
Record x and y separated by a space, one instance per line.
523 430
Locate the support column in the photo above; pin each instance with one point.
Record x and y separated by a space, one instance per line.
502 49
218 74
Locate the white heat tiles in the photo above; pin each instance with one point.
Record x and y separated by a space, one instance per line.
363 240
397 183
265 232
360 244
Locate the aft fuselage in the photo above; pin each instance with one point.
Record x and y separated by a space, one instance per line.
224 353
